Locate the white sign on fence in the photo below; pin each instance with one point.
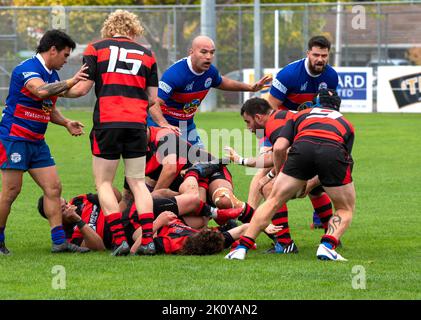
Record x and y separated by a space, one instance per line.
399 89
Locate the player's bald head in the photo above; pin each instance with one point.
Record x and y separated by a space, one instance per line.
202 41
202 52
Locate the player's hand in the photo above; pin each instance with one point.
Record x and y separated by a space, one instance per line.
80 75
173 128
69 212
75 128
272 229
232 155
264 82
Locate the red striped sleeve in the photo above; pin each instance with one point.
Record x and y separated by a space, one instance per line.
90 51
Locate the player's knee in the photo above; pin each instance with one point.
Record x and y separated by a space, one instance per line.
223 198
10 193
223 203
53 190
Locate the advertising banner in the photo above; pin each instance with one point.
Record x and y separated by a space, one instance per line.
399 89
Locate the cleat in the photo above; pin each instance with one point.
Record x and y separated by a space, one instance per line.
3 250
146 250
122 250
68 247
206 169
324 253
238 253
317 224
224 215
280 248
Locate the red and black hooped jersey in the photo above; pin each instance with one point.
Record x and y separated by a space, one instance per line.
171 238
89 210
325 124
276 123
122 70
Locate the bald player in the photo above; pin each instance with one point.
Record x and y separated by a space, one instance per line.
184 86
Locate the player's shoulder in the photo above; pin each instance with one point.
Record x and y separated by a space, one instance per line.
29 68
292 69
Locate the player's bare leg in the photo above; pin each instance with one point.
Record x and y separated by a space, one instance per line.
47 178
11 187
285 188
343 199
255 196
135 176
104 172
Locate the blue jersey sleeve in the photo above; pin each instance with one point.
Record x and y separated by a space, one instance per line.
168 83
216 77
27 71
280 85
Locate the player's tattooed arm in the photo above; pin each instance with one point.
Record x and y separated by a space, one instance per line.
54 89
45 90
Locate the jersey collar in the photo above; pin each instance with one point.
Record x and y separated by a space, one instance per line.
191 67
41 59
308 70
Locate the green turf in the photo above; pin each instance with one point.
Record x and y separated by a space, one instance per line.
384 237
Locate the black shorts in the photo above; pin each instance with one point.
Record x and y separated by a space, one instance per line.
310 157
112 143
164 204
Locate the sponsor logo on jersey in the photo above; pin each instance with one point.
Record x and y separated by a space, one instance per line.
208 82
304 86
165 87
29 74
191 107
15 157
189 87
47 106
278 85
322 85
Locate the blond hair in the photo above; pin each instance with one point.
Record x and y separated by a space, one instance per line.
123 23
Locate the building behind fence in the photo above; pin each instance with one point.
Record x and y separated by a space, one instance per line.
388 32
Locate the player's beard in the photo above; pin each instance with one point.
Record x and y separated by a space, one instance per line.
313 69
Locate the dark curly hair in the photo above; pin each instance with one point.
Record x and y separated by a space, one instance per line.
205 242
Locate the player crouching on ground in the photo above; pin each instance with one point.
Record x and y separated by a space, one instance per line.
321 141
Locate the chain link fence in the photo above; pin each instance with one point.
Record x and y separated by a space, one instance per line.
370 34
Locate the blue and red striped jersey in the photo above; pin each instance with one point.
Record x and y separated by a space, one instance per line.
294 84
26 116
182 89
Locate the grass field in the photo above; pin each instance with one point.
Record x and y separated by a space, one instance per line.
384 238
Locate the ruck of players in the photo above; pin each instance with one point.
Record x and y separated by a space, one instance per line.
176 196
